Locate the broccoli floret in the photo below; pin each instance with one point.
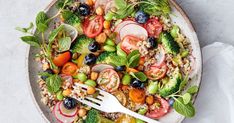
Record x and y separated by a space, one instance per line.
105 57
169 43
81 45
94 116
172 85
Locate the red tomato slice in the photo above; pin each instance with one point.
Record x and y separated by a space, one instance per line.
62 59
157 112
129 43
153 27
108 80
93 27
156 73
69 69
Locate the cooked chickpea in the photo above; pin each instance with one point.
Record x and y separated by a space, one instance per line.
150 100
89 2
101 38
94 75
67 92
106 24
107 32
99 11
82 112
91 90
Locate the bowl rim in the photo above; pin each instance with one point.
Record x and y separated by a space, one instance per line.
172 2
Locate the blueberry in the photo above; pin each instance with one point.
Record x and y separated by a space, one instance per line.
141 17
84 9
90 59
121 68
49 71
137 83
94 46
153 42
171 101
69 103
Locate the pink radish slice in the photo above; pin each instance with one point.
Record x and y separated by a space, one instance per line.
101 3
109 5
134 30
66 78
66 112
101 67
60 117
160 57
119 27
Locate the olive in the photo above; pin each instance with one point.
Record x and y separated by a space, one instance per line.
137 83
69 103
171 101
153 42
141 17
94 46
121 68
84 9
49 71
90 59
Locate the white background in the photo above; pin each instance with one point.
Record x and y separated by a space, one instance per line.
213 20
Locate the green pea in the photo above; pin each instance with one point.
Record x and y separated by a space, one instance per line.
110 42
126 79
139 121
81 76
142 111
152 87
109 48
185 53
59 95
90 82
120 52
109 16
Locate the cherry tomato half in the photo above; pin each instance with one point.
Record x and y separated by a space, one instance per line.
155 73
129 43
93 27
69 69
158 109
61 59
153 27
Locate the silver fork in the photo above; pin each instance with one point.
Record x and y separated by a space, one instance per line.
108 103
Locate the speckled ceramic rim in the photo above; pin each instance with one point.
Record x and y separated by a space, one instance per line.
180 10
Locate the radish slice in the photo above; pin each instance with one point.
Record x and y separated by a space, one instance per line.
119 27
134 30
66 112
101 67
66 78
101 3
60 117
109 5
160 57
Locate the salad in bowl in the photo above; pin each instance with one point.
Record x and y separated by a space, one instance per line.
128 48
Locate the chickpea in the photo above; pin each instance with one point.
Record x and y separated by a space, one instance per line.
91 90
94 75
89 2
101 38
99 11
67 92
82 112
150 100
106 24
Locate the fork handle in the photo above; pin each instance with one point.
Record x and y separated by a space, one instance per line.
136 115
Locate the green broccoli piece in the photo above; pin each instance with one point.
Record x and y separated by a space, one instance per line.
169 43
172 85
105 57
81 45
94 116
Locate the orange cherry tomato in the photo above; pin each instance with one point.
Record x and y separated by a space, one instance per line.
69 69
137 95
62 59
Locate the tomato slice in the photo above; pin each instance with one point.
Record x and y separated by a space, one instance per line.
129 43
153 27
157 111
137 95
156 73
69 69
62 59
93 27
108 80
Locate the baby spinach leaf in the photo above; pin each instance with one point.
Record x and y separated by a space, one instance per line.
41 21
193 89
54 33
31 40
184 82
64 44
25 30
139 75
186 98
134 61
133 53
118 60
187 110
120 4
53 83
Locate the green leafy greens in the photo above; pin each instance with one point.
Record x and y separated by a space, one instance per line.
53 83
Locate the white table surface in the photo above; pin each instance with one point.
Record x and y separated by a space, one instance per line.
213 21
